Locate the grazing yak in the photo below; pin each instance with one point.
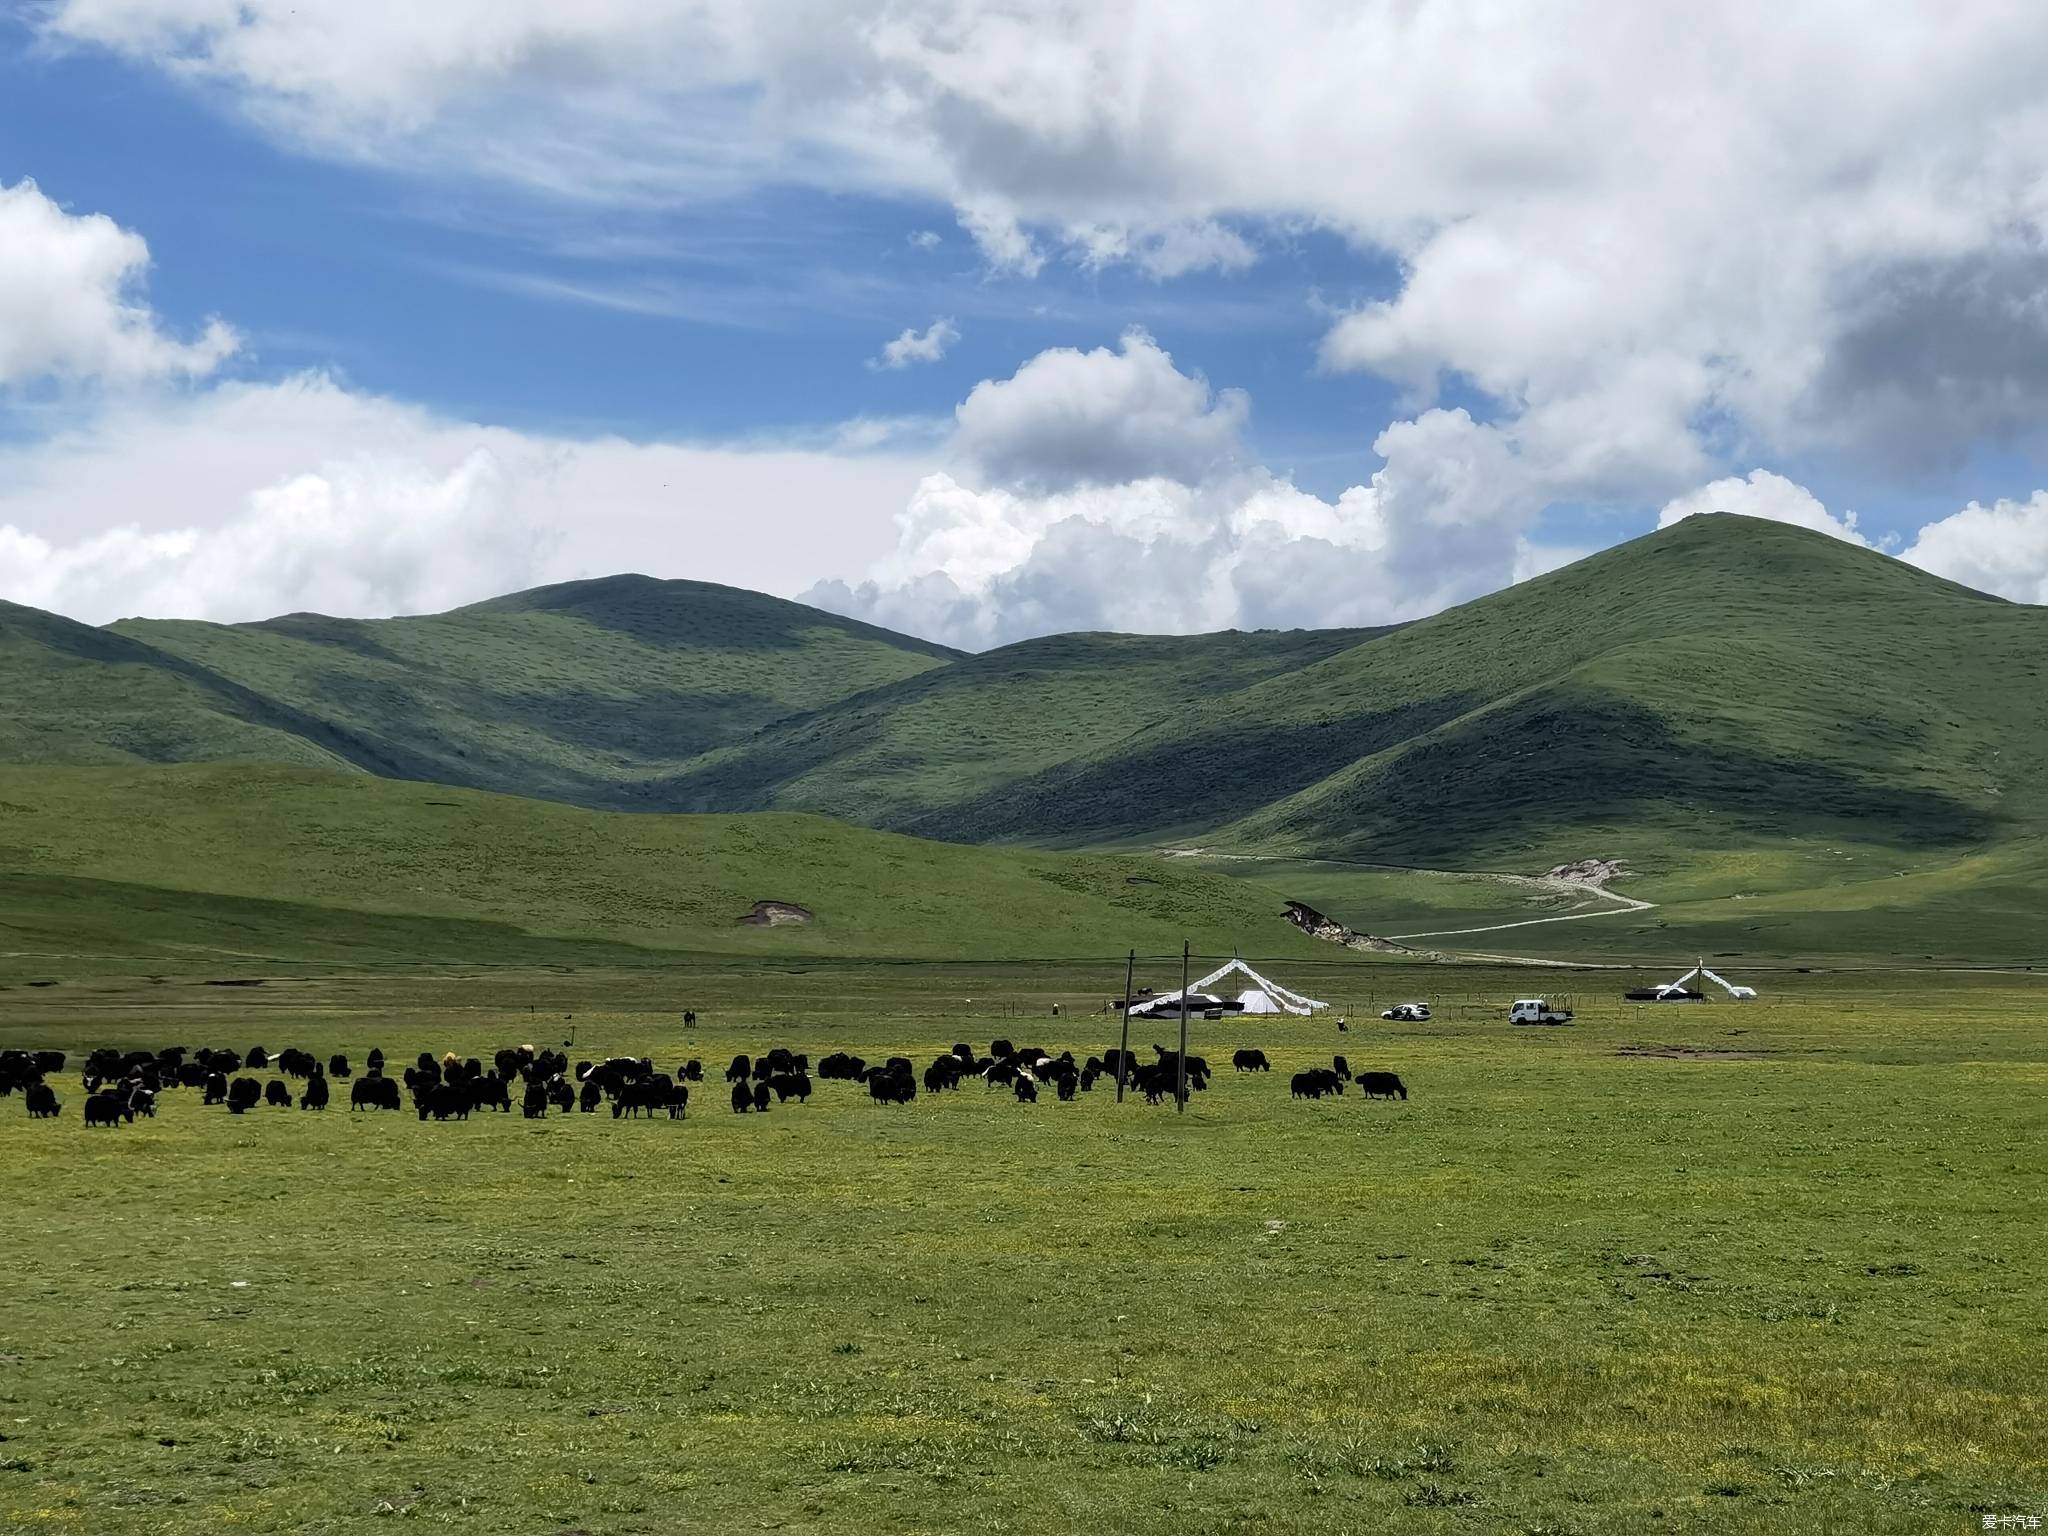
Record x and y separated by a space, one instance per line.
1382 1085
791 1085
1026 1091
742 1098
535 1103
887 1085
216 1088
1341 1067
257 1059
315 1096
374 1092
43 1103
444 1101
244 1094
693 1070
106 1109
1316 1082
337 1065
761 1097
1251 1061
276 1094
740 1070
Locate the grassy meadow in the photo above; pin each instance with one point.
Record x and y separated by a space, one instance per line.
1793 1282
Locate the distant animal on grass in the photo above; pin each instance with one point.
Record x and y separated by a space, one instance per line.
374 1092
1026 1091
742 1098
693 1070
1315 1083
886 1087
535 1103
443 1101
589 1096
216 1088
1341 1067
257 1059
1251 1061
740 1070
689 1016
106 1109
337 1065
1382 1085
761 1097
43 1103
316 1094
276 1094
244 1094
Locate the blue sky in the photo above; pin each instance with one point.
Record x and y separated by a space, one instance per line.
754 314
391 221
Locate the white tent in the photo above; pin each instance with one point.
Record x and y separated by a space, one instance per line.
1739 993
1272 997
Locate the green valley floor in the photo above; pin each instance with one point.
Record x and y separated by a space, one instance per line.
1728 1268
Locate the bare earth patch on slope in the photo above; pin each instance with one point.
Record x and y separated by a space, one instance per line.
775 914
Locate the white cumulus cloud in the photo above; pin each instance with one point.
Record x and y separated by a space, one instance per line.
1110 490
2002 548
71 304
915 346
1763 494
1649 236
248 500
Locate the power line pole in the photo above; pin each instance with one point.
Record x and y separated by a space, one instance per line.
1180 1087
1123 1046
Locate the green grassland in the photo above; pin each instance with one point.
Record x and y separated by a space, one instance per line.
232 866
1562 1288
1831 903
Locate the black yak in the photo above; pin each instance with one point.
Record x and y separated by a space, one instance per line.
276 1094
43 1103
761 1097
337 1065
1251 1061
742 1098
1382 1085
740 1070
315 1096
374 1092
244 1094
106 1109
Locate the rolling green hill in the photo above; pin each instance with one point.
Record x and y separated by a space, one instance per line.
247 866
1719 699
573 692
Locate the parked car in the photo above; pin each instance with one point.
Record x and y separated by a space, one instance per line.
1407 1013
1536 1010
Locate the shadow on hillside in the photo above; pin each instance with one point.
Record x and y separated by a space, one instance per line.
1168 781
1510 777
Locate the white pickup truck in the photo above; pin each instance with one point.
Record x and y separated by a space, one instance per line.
1534 1010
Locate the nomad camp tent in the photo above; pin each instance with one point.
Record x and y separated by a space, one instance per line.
1262 996
1739 993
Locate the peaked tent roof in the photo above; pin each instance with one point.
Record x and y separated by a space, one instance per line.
1288 1001
1731 988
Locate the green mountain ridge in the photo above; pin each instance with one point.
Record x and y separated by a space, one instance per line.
1724 684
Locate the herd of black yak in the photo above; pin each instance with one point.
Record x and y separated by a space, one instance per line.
122 1086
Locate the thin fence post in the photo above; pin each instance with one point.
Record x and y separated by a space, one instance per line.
1123 1046
1180 1090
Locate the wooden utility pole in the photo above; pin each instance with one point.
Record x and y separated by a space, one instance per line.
1180 1087
1123 1046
